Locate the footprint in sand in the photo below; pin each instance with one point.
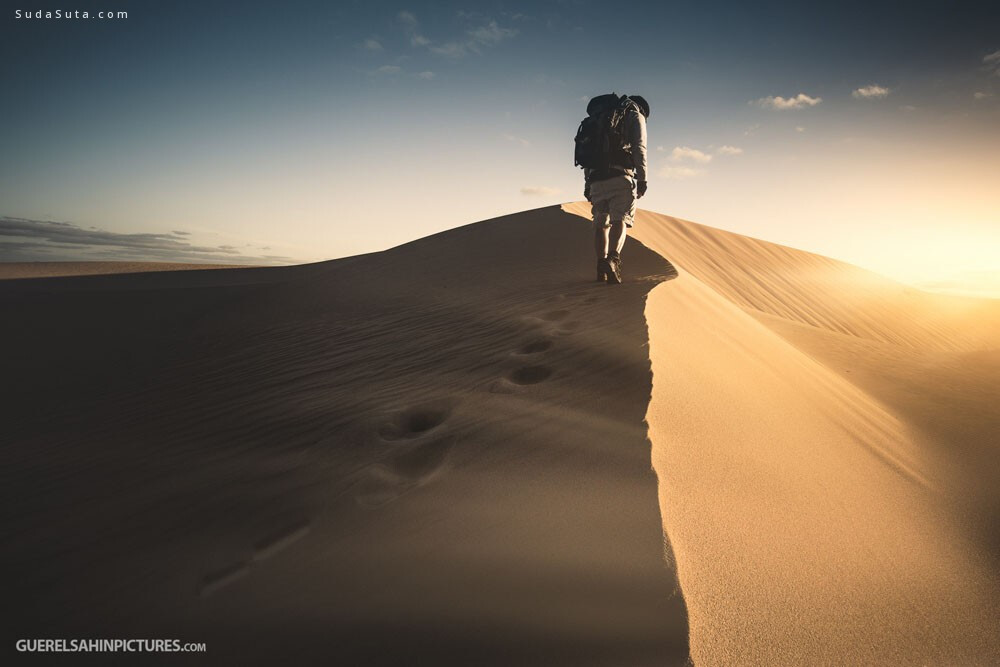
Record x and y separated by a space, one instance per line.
554 324
529 375
421 454
518 379
534 346
414 423
417 465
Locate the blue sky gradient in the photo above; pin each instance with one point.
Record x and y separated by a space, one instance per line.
308 130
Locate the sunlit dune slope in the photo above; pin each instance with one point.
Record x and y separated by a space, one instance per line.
803 287
815 521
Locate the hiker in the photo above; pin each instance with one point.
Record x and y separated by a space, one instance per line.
611 147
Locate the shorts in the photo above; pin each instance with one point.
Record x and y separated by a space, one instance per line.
613 199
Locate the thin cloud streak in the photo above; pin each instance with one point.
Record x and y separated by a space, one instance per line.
41 240
992 62
475 39
874 91
778 103
517 140
681 153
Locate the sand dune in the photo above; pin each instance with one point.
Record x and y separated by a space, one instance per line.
816 517
436 455
431 455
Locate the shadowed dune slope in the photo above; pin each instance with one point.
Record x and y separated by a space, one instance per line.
825 501
430 455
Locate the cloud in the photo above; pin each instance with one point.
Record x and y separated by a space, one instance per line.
979 95
674 173
448 50
42 240
799 128
685 153
372 44
490 34
474 40
407 19
425 75
778 103
516 140
389 69
908 108
874 91
539 190
681 153
412 28
992 62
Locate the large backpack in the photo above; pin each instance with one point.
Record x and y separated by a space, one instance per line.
600 139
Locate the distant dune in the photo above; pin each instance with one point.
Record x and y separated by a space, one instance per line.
14 270
444 453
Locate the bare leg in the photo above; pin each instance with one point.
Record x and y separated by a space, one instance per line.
615 239
601 240
601 230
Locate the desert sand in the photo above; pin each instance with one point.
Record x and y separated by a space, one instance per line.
430 455
439 454
827 449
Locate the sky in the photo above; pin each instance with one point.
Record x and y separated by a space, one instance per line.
270 133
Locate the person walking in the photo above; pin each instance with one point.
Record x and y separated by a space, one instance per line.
611 146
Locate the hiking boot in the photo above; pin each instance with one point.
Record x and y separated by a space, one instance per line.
614 270
602 271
